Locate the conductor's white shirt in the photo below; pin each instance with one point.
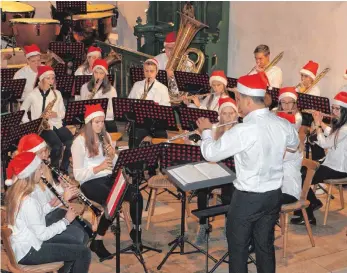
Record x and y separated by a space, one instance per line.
274 74
30 75
258 146
158 92
34 101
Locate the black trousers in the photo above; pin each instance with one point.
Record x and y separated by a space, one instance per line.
98 190
203 194
288 199
253 215
56 139
321 174
111 126
136 136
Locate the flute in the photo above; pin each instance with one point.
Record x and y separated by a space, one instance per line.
310 111
78 218
195 131
80 196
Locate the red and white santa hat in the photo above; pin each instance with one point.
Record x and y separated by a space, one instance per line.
44 71
341 99
253 85
225 102
170 38
219 76
94 51
310 69
93 111
289 117
31 143
345 75
31 50
152 61
22 166
102 64
288 92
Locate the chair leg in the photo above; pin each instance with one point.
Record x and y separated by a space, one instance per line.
342 200
282 223
327 205
315 188
155 192
308 226
151 207
285 237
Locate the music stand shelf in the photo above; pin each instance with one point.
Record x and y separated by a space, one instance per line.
65 85
186 79
188 117
137 74
15 87
121 106
7 73
232 82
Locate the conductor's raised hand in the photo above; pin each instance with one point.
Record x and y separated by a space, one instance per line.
203 124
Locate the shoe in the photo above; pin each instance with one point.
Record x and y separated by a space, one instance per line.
300 221
201 238
317 205
97 246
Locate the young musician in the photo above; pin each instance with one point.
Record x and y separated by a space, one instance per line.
262 60
287 102
32 241
86 68
36 102
308 75
102 88
29 72
218 82
334 139
227 113
163 58
258 145
74 232
91 167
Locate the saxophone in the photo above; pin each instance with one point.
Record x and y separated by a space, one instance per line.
44 123
95 89
146 90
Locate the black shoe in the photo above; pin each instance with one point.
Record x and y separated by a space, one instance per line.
300 221
97 246
316 205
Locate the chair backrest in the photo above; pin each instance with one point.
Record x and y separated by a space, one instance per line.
312 166
5 237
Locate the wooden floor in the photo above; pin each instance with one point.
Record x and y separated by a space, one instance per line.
329 254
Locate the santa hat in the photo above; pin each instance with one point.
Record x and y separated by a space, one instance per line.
94 51
219 75
310 69
102 64
288 92
31 50
44 71
31 143
225 102
341 99
345 76
152 61
170 38
289 117
253 85
22 166
93 111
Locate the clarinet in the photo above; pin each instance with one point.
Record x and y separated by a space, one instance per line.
78 218
80 196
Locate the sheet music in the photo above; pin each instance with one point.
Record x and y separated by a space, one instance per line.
211 170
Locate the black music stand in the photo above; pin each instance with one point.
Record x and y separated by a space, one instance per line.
7 73
65 85
14 90
136 74
187 80
80 80
74 114
274 93
135 161
232 82
31 127
12 119
112 210
188 117
123 106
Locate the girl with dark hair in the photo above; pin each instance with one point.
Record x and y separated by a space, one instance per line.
334 139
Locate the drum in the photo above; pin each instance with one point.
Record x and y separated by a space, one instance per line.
13 58
38 31
11 10
92 8
91 26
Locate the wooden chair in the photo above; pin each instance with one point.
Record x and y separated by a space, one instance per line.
331 183
12 264
155 183
301 204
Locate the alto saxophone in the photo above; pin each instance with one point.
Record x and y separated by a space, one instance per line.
44 123
95 89
146 90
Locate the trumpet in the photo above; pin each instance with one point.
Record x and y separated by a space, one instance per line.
214 126
180 99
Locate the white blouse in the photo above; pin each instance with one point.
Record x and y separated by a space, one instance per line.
26 73
291 174
83 164
99 95
30 229
79 72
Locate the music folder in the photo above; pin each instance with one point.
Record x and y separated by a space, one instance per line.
200 175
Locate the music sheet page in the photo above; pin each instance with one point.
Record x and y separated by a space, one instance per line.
211 170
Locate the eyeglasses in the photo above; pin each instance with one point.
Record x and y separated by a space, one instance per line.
335 108
287 103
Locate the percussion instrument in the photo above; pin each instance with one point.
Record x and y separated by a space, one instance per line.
92 8
13 58
91 26
38 31
11 10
